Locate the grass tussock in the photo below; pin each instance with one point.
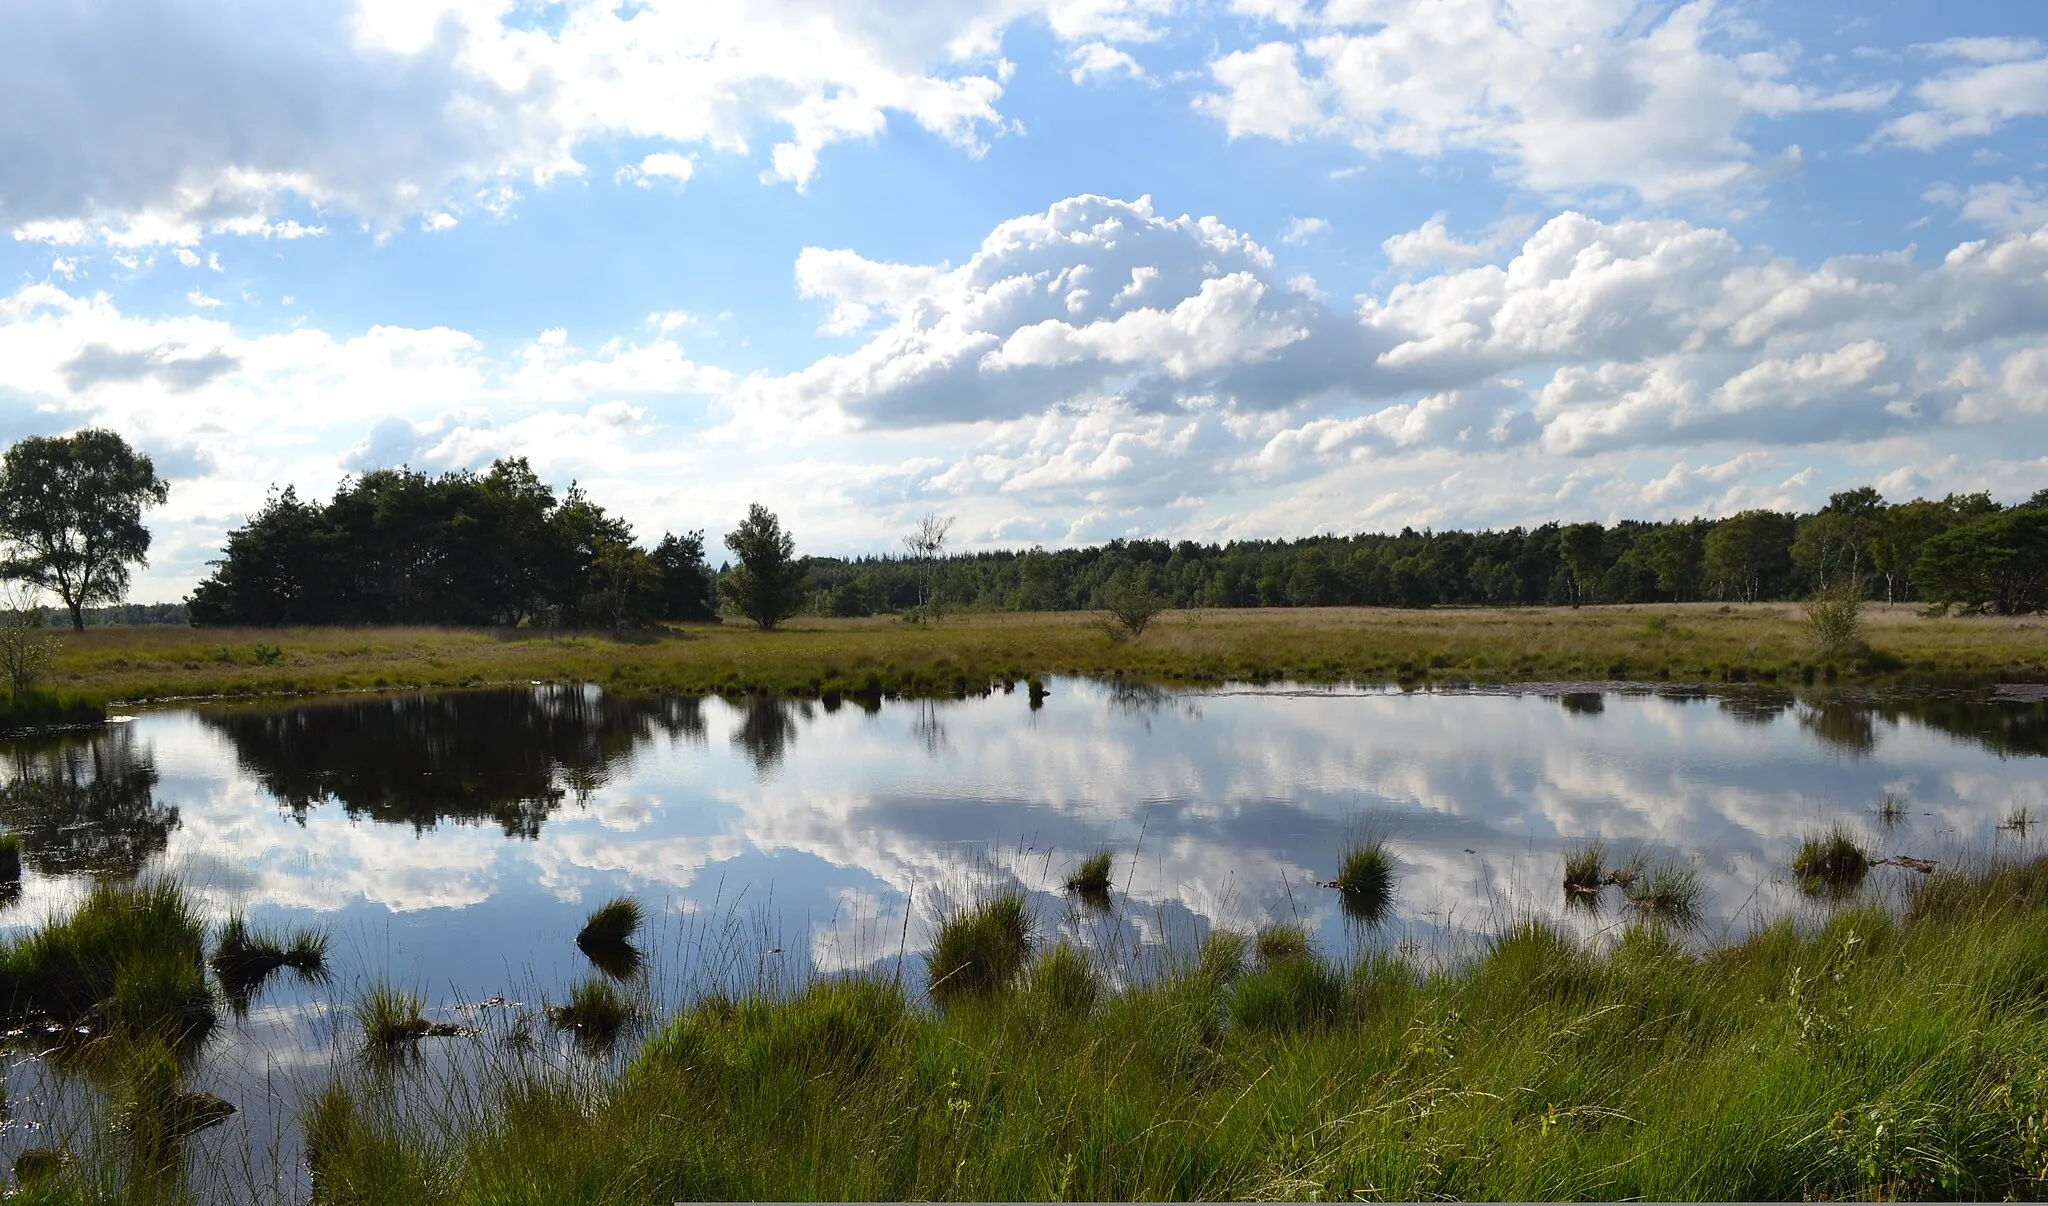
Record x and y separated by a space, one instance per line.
1365 882
980 950
136 934
863 658
1061 981
1585 870
1669 893
1282 942
391 1018
245 957
1873 1058
612 923
1891 808
1831 863
596 1012
1090 881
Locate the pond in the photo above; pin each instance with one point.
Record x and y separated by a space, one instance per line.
455 842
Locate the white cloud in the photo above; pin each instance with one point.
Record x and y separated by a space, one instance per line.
435 223
2006 79
2011 206
199 298
661 165
1301 230
163 120
1569 95
1101 61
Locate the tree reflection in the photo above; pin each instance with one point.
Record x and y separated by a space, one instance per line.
86 804
767 729
507 757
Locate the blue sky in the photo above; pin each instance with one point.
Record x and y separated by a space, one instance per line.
1063 269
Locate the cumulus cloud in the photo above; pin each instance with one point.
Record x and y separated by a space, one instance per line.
2000 80
2009 206
1572 95
161 121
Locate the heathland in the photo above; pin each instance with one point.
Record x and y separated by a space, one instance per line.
965 653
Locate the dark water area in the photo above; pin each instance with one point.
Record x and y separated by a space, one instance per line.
453 843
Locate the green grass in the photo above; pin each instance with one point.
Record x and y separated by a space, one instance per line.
1830 863
28 710
596 1012
1877 1056
1667 894
970 652
1585 872
611 923
1365 882
980 950
390 1019
244 957
1090 881
68 967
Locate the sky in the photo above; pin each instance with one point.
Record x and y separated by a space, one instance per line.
1062 270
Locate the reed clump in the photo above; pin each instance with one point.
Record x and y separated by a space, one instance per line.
1831 863
1090 881
1585 869
391 1018
1669 893
70 968
596 1011
1365 882
611 924
981 949
246 956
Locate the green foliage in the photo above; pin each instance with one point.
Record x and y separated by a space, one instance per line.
498 548
1221 957
1749 555
1995 563
1282 942
1834 619
1287 994
769 583
1669 893
71 513
162 996
1585 869
1129 608
980 950
42 709
1832 863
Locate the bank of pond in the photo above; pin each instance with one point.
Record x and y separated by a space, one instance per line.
1882 1052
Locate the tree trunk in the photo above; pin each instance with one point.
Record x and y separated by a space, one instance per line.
77 617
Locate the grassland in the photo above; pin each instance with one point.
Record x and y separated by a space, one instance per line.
1885 1055
1701 642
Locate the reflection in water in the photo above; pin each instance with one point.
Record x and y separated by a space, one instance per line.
767 730
1846 727
1583 703
507 756
86 804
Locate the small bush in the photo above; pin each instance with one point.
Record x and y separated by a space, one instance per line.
1091 880
1834 620
1365 881
1831 863
596 1012
611 924
980 951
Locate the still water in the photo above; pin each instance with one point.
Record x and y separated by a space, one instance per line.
453 843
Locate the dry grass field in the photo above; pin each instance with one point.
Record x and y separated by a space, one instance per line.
812 656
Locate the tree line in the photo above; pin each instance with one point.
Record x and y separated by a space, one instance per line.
503 548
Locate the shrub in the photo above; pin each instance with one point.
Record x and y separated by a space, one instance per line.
1834 620
981 950
1831 862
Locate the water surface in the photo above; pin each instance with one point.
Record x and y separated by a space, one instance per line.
454 842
